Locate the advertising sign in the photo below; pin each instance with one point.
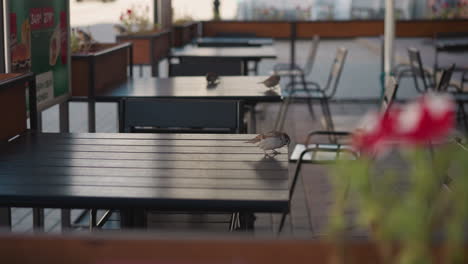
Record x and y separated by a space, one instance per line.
39 43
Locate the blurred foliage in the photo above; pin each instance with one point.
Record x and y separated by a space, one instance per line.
183 20
408 218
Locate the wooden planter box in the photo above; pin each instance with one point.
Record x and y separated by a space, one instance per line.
13 111
184 34
147 249
149 49
105 66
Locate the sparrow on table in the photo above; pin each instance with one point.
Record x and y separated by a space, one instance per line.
271 141
212 78
272 81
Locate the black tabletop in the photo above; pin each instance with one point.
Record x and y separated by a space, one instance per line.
452 44
154 171
233 41
263 52
229 87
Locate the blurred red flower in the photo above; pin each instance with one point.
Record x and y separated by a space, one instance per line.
430 118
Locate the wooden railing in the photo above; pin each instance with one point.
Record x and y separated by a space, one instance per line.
333 29
122 248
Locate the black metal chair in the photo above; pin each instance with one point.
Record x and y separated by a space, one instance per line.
419 73
326 153
443 83
286 69
461 97
312 91
423 79
451 42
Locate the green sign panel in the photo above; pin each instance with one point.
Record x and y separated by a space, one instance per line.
39 43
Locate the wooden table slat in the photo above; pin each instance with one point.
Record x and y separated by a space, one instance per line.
151 156
111 181
140 172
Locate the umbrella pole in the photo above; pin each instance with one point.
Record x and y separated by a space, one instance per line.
389 38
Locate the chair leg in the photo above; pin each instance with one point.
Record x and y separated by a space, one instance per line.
283 111
234 221
328 118
38 219
5 218
291 189
461 106
107 215
311 108
283 220
92 219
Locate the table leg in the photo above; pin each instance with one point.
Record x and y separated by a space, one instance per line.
64 117
120 114
245 69
252 124
5 217
133 218
65 219
38 219
92 219
247 221
92 116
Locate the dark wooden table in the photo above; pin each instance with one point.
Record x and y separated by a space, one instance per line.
245 54
233 42
245 88
168 172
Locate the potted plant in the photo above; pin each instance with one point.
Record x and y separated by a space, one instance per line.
150 44
405 209
184 30
90 64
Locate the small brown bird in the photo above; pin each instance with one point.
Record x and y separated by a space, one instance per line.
271 141
212 78
84 36
272 81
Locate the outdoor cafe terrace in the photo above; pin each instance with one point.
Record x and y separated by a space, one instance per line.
201 131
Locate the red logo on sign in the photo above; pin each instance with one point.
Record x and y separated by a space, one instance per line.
35 18
48 17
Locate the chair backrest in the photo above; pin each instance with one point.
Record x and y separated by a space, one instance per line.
335 72
444 79
200 66
418 70
391 88
182 115
312 54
